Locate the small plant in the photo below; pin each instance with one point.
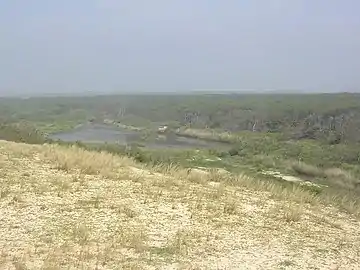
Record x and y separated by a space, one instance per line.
81 234
218 192
4 193
128 211
286 263
19 265
230 207
179 244
293 213
62 184
133 238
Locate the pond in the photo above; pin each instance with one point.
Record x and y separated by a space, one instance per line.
99 133
92 133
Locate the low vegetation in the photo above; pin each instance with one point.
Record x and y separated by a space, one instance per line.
66 207
21 132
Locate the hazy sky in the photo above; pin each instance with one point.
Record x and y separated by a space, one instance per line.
113 45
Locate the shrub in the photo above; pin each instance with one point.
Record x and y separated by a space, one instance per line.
21 132
233 152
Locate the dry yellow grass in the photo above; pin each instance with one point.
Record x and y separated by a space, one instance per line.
66 208
335 176
307 170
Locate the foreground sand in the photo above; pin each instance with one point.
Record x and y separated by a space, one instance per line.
65 208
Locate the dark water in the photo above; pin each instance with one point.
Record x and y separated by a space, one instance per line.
103 133
97 133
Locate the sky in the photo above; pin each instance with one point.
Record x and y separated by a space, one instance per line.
113 46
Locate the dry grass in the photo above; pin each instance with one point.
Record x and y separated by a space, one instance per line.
66 208
307 170
342 178
335 176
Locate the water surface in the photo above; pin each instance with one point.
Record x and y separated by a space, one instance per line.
91 133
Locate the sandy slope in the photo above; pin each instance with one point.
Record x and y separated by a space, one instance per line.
66 208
